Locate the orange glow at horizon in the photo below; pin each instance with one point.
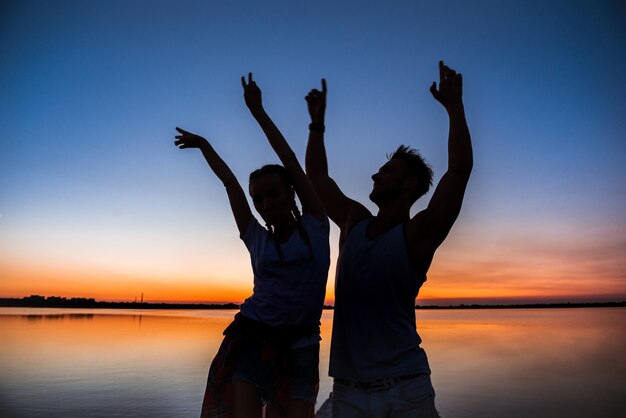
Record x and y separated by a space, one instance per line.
519 270
69 283
107 286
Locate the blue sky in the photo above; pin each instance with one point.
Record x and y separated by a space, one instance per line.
90 93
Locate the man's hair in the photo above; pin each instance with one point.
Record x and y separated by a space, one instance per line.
417 167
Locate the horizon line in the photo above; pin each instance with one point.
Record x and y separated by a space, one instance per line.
598 298
50 301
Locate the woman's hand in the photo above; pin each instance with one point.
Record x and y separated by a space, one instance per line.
252 94
189 140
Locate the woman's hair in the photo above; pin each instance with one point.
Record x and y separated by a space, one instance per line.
285 178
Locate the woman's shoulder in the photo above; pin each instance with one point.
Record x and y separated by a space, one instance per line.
254 230
315 223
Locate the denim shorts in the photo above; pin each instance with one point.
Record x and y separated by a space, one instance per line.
409 398
303 370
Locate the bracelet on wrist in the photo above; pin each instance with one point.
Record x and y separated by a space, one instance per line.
317 127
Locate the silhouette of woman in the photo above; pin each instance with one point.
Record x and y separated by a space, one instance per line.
270 352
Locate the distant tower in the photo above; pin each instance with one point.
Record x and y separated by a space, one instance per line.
141 297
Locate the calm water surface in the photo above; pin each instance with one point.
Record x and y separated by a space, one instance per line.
486 363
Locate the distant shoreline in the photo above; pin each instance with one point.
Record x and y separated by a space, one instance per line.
531 306
36 301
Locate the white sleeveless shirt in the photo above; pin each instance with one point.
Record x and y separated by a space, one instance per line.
288 290
374 331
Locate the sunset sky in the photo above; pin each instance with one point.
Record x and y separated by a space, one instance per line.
96 201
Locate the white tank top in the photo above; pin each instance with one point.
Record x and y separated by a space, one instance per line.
374 332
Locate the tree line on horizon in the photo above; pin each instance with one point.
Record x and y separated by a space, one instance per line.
37 301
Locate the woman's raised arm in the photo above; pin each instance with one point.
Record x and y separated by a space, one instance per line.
236 196
302 185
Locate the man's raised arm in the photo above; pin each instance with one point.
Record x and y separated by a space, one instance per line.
445 205
339 207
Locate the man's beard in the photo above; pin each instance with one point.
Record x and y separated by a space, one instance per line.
380 197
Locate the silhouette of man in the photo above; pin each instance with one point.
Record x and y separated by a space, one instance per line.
378 366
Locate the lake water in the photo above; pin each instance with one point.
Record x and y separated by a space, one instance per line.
486 363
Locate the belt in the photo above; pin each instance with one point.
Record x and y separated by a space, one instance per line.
374 385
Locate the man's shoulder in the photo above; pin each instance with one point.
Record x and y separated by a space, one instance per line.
415 225
357 214
420 247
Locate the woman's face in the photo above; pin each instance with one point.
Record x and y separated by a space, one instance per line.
272 198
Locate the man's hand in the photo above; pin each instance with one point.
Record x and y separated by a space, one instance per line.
316 102
252 94
450 91
189 140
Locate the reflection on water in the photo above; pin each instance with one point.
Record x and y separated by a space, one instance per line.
528 363
486 363
53 317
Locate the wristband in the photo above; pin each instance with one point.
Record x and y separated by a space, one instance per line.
317 127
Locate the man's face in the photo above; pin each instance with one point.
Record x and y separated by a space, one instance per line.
389 181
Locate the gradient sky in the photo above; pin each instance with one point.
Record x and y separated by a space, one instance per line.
95 200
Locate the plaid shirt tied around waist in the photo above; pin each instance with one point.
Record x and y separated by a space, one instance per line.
276 352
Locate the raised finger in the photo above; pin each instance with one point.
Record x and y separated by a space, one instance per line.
250 78
182 131
441 70
324 88
243 82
